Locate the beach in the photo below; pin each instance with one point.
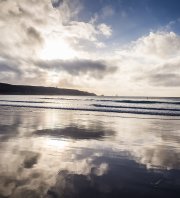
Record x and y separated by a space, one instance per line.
90 99
51 152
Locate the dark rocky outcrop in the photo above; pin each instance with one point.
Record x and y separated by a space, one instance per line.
8 89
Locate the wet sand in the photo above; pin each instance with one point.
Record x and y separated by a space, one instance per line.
55 153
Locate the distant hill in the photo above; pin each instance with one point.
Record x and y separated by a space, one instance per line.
8 89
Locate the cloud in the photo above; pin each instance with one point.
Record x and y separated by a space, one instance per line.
21 72
165 80
152 61
158 46
9 66
34 35
20 28
87 35
163 45
29 27
166 74
24 25
106 30
95 69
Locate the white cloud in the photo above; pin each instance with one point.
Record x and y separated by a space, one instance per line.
105 29
163 45
26 25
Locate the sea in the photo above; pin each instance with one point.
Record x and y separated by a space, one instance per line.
89 146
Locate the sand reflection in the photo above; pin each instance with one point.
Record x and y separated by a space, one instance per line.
77 133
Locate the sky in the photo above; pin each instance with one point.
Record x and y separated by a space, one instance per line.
109 47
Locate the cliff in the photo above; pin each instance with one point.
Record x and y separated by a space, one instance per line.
8 89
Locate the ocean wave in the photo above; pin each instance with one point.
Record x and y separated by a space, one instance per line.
60 99
143 108
117 101
160 113
146 102
24 101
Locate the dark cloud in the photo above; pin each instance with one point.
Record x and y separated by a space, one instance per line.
32 39
170 66
168 80
13 70
9 66
56 3
165 75
16 71
97 69
34 35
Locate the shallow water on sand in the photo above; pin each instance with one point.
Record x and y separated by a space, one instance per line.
58 153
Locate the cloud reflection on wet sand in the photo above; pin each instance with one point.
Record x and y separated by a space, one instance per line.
48 153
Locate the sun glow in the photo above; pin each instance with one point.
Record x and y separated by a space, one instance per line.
57 49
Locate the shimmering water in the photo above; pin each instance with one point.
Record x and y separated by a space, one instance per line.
47 151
